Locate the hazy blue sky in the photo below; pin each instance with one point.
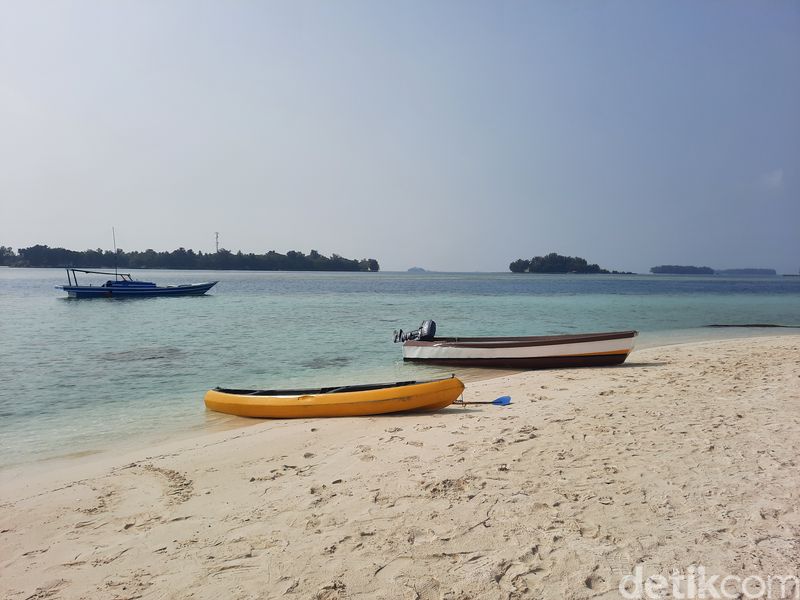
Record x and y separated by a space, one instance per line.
449 135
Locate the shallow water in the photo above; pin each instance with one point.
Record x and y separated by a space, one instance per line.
82 375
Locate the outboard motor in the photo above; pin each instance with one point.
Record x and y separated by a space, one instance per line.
425 333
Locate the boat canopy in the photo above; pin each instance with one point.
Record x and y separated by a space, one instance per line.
72 276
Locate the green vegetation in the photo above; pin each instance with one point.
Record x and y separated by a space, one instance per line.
682 270
44 256
556 263
690 270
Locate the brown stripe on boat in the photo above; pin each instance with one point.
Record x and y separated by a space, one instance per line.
539 362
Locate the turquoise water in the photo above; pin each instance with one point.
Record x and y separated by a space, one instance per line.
83 375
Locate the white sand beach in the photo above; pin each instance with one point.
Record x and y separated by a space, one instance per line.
684 456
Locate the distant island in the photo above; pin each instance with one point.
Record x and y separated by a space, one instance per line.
691 270
417 270
681 270
556 263
44 256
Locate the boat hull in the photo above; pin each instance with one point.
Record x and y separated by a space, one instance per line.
132 291
413 396
541 352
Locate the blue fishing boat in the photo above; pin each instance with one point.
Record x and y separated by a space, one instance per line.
124 286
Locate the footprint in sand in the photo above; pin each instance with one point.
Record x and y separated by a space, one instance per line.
428 590
331 592
593 581
179 488
510 575
102 502
299 471
528 432
364 452
108 559
48 590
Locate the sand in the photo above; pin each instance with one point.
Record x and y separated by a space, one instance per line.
685 456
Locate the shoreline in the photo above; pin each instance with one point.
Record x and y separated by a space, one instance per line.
216 422
683 455
221 423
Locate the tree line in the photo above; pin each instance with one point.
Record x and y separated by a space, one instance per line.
44 256
556 263
692 270
682 270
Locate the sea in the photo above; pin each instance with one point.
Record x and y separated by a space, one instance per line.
81 377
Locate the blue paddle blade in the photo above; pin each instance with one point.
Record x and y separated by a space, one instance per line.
502 401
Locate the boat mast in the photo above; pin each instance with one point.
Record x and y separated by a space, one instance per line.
114 237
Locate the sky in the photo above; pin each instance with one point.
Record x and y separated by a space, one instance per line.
453 136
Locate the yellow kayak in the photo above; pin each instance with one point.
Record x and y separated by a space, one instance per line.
347 401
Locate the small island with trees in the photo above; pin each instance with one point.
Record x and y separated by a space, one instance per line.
681 270
556 263
44 256
692 270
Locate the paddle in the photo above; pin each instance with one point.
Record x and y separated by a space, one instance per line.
501 401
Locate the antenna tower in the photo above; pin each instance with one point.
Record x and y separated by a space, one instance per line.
216 234
114 237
